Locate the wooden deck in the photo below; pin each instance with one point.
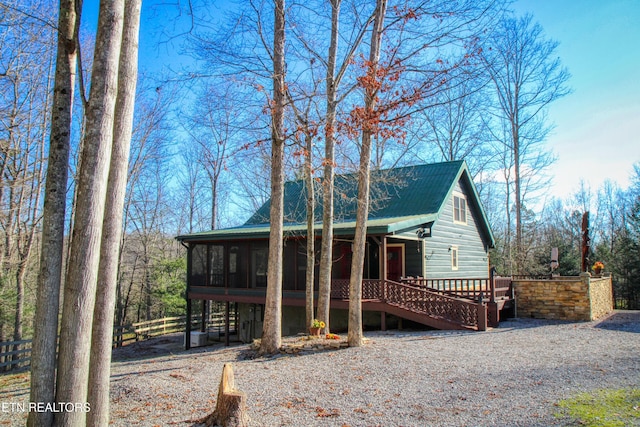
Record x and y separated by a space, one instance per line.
440 303
467 304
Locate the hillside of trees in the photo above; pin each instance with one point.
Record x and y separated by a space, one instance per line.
450 87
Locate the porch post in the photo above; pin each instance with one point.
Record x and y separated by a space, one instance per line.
383 258
482 316
492 284
226 324
203 321
187 329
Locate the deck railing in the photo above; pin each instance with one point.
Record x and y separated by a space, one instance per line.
421 300
487 289
474 288
418 299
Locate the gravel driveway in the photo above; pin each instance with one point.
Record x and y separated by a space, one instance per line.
508 376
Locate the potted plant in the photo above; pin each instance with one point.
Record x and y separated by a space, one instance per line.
316 327
598 267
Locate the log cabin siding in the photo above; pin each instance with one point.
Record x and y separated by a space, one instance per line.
472 255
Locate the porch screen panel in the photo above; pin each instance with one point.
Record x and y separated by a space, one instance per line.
301 268
216 257
259 260
198 265
289 266
238 266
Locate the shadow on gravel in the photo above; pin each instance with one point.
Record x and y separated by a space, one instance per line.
173 344
527 323
621 320
166 345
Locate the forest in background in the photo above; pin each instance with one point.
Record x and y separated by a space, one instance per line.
200 155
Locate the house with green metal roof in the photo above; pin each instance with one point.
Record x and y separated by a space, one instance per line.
426 228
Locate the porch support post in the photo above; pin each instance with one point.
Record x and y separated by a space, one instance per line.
383 258
383 320
203 321
226 324
187 329
482 316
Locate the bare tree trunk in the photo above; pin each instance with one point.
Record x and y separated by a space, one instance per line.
43 352
326 254
214 202
517 197
355 334
17 330
311 255
82 274
103 317
527 76
272 329
147 284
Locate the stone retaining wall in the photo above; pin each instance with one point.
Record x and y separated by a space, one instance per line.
601 293
582 298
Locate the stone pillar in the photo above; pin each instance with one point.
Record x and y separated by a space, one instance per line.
585 277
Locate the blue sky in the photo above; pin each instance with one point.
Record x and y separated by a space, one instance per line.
597 133
597 127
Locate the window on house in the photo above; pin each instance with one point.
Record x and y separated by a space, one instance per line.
459 209
454 257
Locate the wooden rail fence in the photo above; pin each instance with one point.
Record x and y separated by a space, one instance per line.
17 354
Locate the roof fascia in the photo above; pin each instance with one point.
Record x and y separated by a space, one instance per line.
374 227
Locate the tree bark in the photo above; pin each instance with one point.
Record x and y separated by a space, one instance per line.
355 335
43 350
82 274
326 254
311 254
103 317
272 329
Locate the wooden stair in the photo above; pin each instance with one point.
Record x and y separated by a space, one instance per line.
441 307
417 304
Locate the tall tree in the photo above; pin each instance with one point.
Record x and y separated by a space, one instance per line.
370 83
43 358
454 128
527 77
84 256
102 334
306 131
214 128
326 253
26 72
272 329
192 182
337 63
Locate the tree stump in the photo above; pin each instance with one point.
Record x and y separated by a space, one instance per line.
231 405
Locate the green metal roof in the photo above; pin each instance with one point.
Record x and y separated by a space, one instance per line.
347 228
401 198
398 192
